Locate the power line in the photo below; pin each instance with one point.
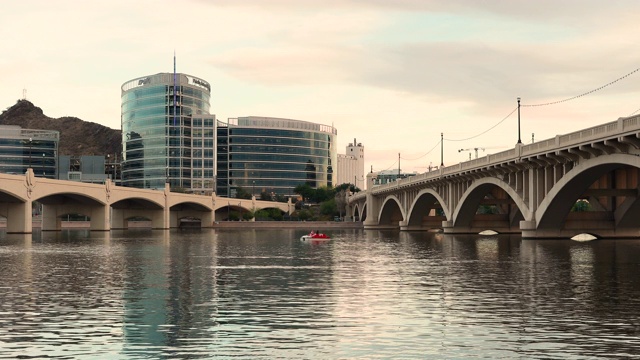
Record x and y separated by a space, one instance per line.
585 94
553 103
423 155
489 129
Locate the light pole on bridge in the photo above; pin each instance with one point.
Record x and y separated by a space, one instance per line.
441 150
519 140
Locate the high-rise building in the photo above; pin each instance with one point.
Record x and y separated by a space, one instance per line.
273 155
168 134
351 166
21 149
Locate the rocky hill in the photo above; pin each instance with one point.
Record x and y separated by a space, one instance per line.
77 137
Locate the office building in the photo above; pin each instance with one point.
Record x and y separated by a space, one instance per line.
87 169
273 155
389 176
21 149
168 134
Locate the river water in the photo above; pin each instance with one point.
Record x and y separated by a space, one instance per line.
264 294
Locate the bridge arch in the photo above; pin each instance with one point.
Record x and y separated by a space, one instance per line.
131 207
391 213
57 205
185 213
425 202
551 215
357 212
512 208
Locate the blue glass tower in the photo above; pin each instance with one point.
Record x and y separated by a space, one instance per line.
168 134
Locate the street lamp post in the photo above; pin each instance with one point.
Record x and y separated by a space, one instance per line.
441 150
42 164
519 140
30 141
253 187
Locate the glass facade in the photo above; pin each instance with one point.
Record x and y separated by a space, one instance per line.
273 156
168 134
21 149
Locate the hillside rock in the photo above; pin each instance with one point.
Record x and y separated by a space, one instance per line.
77 137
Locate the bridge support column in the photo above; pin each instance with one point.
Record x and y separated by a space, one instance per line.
528 228
447 226
100 218
117 219
159 219
206 221
19 218
403 225
50 219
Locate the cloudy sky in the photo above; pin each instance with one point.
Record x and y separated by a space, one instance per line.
393 74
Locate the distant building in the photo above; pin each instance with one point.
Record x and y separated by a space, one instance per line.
351 166
21 149
168 134
388 176
89 169
273 155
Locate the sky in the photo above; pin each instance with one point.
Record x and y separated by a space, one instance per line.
394 75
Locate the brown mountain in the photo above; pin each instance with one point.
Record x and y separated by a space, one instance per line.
77 137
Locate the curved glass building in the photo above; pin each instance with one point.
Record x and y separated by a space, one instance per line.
168 134
273 156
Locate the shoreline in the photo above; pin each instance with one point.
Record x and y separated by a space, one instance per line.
287 224
225 225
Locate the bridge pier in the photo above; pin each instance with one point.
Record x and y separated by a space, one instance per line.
100 218
19 217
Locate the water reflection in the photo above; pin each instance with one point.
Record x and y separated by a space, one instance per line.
364 294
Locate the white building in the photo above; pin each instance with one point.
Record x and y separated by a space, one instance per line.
351 166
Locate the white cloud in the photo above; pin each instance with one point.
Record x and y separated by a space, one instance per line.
393 74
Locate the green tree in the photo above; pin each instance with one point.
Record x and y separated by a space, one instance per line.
328 207
581 205
304 214
341 202
248 215
276 214
241 193
304 190
234 216
262 214
323 193
265 196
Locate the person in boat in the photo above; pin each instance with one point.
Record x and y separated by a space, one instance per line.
312 233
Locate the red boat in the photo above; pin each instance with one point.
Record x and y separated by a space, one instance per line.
315 236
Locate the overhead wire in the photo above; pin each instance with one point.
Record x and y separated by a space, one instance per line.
526 105
489 129
552 103
583 94
423 155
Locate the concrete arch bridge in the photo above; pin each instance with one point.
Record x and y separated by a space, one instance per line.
583 182
111 207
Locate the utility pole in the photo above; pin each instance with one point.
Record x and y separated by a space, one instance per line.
441 150
519 140
398 165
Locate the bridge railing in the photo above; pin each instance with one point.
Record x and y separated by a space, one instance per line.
616 128
599 132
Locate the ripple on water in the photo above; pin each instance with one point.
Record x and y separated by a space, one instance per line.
365 294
